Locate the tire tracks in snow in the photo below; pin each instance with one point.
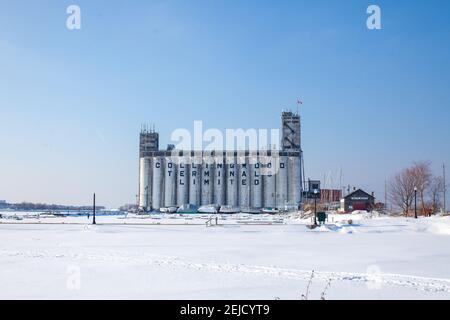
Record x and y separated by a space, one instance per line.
379 279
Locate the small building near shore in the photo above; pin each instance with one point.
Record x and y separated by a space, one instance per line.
358 200
330 195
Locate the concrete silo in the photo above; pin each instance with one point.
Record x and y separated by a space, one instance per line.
207 182
244 183
255 182
145 187
157 178
294 180
219 180
268 176
282 182
170 183
195 181
232 181
183 180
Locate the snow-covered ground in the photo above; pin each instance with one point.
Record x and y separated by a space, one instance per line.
244 257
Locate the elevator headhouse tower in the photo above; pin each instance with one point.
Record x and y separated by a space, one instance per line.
148 141
290 124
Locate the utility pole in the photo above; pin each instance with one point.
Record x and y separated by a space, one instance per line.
385 195
93 221
415 202
445 186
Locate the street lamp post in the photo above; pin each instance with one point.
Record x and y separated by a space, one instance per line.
93 220
415 202
315 206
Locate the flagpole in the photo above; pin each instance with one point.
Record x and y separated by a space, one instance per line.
445 186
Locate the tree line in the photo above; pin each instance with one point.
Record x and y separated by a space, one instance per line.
44 206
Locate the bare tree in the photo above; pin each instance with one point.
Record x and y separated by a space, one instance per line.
422 178
401 189
429 188
435 190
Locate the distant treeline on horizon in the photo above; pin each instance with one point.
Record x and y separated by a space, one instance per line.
45 206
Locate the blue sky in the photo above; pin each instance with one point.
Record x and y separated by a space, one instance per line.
72 102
